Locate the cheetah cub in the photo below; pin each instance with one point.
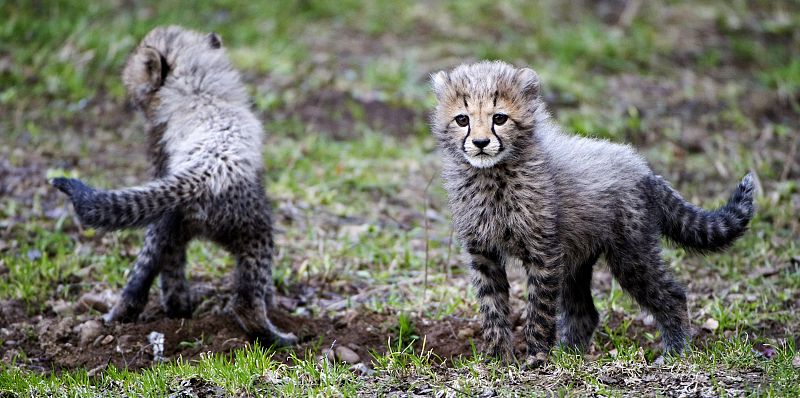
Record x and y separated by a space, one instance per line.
520 188
205 147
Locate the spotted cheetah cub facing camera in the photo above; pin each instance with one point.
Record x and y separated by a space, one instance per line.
519 188
206 149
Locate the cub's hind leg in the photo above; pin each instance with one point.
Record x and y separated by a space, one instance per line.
639 269
164 242
254 288
578 316
175 295
491 285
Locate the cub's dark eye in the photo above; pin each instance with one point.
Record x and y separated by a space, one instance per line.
462 120
499 119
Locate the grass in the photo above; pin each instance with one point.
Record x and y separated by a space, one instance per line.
706 92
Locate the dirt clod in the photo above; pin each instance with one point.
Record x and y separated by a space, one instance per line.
99 301
88 332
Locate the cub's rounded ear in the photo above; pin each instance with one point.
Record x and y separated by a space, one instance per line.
439 82
528 80
144 73
214 40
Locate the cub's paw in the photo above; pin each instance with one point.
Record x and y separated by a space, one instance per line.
253 320
535 361
503 355
123 312
178 304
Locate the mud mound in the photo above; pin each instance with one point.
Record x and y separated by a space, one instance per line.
53 343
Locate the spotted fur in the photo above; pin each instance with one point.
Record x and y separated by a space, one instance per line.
521 189
205 146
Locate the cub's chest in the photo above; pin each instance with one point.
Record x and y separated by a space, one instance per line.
491 209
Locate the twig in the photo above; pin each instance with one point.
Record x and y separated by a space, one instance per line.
787 167
427 240
449 251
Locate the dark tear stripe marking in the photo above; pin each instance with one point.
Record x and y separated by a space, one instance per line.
164 69
498 139
465 103
464 143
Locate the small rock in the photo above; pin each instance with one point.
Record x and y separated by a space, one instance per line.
362 369
346 355
107 340
711 324
466 333
101 302
649 320
10 343
487 393
88 331
796 361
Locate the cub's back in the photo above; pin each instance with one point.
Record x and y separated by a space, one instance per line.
597 181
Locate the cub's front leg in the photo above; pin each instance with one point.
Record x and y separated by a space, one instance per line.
491 284
544 271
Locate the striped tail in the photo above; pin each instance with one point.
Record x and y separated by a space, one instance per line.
704 230
130 207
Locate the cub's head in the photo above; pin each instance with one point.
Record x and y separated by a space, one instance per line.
170 56
485 111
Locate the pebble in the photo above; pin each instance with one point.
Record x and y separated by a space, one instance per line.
711 324
107 340
347 355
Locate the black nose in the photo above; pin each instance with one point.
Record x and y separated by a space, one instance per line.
481 142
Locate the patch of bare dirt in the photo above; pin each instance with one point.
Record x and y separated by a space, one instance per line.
51 342
338 113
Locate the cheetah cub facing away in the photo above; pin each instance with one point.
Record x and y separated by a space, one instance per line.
205 146
519 188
